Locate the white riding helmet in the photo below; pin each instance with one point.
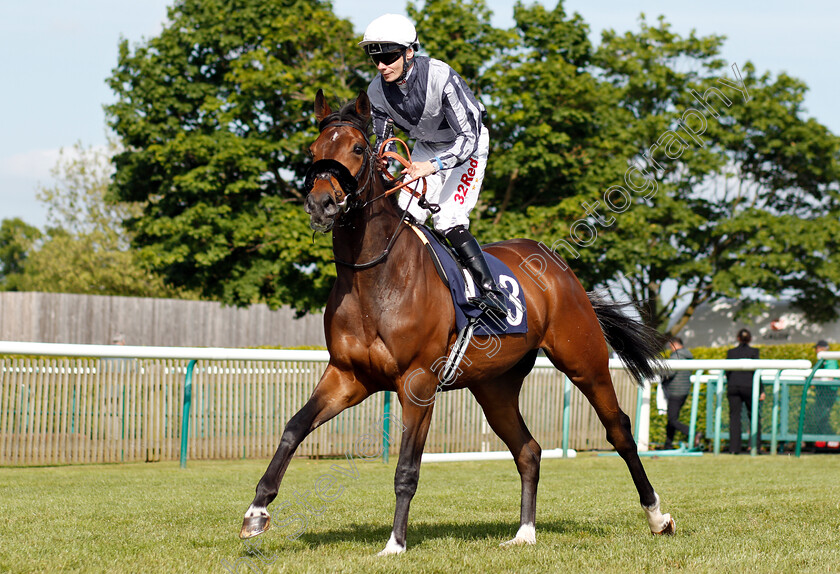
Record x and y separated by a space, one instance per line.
389 33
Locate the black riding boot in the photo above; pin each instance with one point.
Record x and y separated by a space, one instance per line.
491 299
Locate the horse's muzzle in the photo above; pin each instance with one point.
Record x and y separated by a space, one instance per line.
322 211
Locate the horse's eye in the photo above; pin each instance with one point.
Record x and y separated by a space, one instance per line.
358 150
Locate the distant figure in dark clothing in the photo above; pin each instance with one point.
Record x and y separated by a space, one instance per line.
677 386
739 392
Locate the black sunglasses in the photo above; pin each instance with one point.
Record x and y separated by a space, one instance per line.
387 58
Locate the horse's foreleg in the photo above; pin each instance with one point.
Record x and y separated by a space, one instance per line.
416 421
501 407
335 392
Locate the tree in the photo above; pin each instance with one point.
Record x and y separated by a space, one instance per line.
78 204
460 33
17 239
85 248
548 127
745 199
215 115
215 118
725 213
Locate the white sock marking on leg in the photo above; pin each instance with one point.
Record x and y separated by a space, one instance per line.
256 511
526 534
656 520
392 547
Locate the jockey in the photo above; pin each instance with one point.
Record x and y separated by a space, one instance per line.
430 102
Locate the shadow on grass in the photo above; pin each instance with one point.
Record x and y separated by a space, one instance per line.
418 533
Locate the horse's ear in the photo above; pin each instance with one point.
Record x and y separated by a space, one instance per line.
363 105
322 108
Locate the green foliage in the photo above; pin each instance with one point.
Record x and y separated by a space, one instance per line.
77 203
17 239
546 127
755 206
460 34
751 202
88 264
85 248
788 351
216 116
719 221
659 422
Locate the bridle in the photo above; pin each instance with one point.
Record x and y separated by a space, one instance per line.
351 185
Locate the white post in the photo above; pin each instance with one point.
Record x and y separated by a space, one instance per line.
644 421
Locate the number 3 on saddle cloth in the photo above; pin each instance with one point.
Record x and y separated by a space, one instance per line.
462 287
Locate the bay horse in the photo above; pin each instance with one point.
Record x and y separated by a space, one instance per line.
389 317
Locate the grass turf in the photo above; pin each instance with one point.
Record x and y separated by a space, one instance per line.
733 514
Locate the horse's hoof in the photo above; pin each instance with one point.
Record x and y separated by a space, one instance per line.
393 547
254 526
390 551
669 530
518 541
525 535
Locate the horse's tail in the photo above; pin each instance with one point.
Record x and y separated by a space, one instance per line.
638 346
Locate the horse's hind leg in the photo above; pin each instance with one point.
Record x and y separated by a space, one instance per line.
500 403
592 377
335 392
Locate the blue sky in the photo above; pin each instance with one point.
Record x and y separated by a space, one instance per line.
57 55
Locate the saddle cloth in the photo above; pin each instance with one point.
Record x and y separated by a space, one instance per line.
462 287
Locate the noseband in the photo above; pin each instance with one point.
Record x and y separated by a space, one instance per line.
329 169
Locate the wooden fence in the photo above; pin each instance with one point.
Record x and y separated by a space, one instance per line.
96 320
72 411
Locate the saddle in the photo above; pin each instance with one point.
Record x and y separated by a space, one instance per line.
463 287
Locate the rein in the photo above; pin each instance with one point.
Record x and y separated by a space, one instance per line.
405 162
